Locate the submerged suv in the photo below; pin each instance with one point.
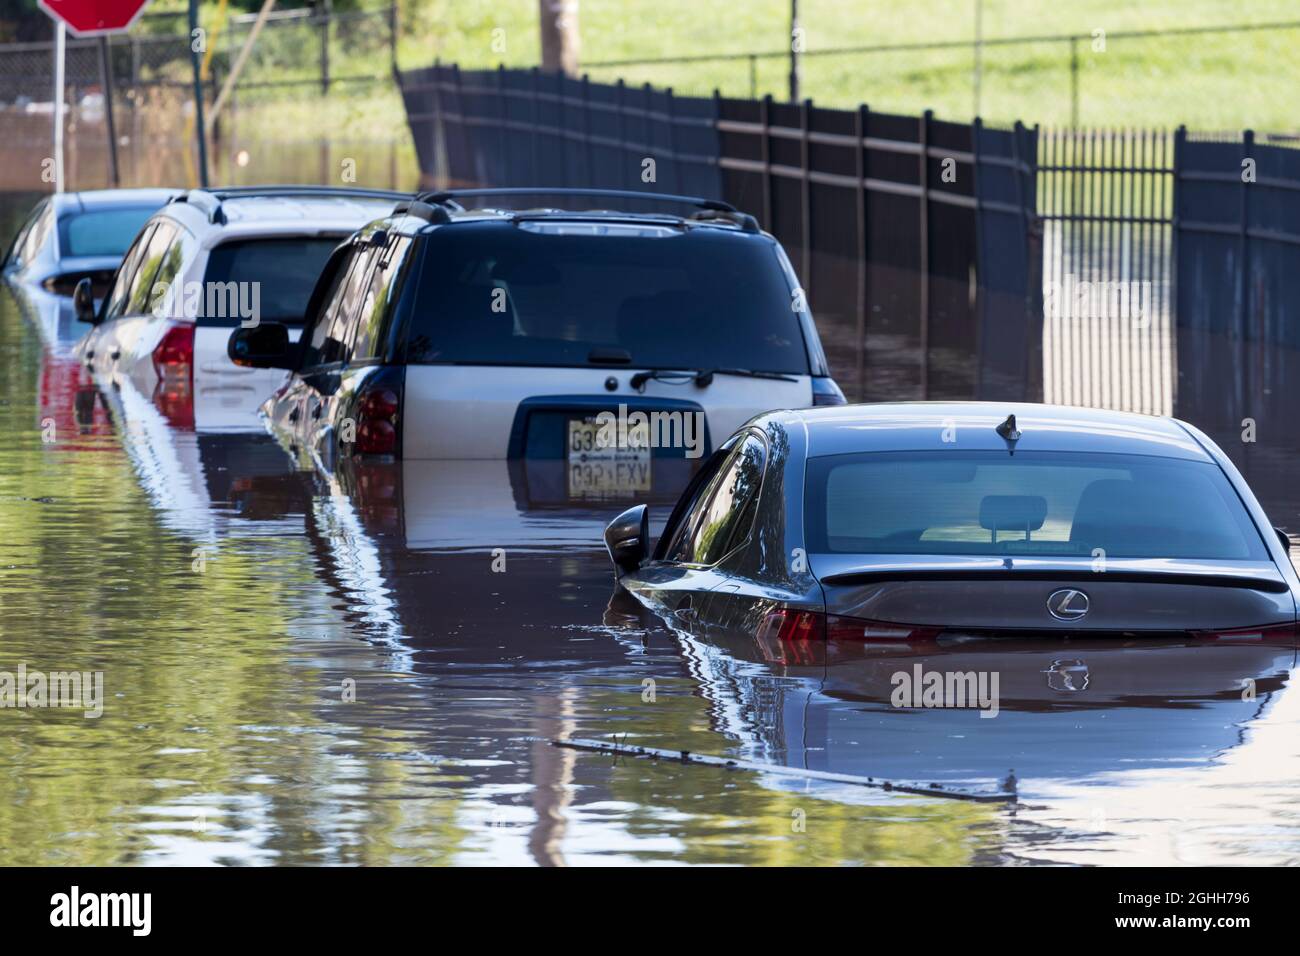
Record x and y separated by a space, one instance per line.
441 332
206 262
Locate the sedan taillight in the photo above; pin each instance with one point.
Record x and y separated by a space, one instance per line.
839 628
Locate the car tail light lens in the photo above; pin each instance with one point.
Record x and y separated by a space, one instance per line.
839 628
789 624
826 392
173 357
792 636
1271 634
377 415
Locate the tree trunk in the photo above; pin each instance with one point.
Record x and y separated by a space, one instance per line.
559 29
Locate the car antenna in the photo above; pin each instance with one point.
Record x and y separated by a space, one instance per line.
1010 434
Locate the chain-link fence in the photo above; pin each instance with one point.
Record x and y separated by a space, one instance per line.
314 101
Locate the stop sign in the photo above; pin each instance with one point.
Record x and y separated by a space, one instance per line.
92 17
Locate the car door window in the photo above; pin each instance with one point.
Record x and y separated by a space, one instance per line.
330 335
121 291
681 546
18 253
726 518
167 291
376 307
39 233
140 297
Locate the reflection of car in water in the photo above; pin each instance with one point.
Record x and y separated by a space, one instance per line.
907 522
441 333
1071 710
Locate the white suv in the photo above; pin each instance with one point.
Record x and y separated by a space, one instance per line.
207 262
607 339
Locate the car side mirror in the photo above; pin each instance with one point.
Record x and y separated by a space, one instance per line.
1284 538
265 345
627 539
83 302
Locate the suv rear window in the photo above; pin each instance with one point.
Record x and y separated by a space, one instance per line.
551 293
102 232
285 270
1031 504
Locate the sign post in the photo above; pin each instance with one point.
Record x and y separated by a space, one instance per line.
86 18
60 57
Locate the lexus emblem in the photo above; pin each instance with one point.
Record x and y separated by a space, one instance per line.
1067 604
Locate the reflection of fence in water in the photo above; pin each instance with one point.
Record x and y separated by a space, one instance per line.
1108 335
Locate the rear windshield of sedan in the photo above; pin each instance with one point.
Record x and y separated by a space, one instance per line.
102 232
577 294
1032 503
282 271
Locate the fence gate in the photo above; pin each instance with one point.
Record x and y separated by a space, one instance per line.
1106 199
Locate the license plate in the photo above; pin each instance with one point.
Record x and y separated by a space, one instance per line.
598 466
608 479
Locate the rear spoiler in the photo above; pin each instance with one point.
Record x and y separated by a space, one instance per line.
1253 579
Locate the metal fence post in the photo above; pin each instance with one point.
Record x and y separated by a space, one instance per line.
977 305
394 34
860 174
325 52
925 252
537 172
106 77
1074 82
672 139
1243 299
805 200
766 152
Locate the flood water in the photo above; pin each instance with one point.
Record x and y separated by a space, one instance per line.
304 668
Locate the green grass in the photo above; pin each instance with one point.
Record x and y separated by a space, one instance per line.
1218 81
1209 82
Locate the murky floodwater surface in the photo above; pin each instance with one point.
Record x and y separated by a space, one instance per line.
308 668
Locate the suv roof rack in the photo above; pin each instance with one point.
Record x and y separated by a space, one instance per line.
211 198
707 209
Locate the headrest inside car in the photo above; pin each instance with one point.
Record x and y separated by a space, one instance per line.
1013 512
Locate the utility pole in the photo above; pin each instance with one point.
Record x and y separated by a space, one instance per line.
106 80
558 20
198 97
796 47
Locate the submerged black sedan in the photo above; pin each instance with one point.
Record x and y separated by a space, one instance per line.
915 521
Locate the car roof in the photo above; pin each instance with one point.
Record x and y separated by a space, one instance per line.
294 209
89 199
937 426
410 225
428 211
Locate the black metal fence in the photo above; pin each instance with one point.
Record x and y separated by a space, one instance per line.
1237 243
914 239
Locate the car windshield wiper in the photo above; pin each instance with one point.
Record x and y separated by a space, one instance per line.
701 377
